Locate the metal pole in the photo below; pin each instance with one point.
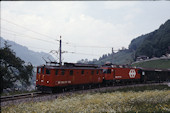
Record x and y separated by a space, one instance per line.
60 51
112 55
0 37
0 41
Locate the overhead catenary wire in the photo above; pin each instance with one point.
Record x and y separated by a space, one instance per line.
29 30
34 47
86 46
38 48
66 52
81 53
71 44
55 43
5 29
25 28
67 43
27 36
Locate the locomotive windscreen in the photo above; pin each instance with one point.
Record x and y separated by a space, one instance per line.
108 71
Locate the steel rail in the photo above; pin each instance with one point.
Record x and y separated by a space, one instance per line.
19 96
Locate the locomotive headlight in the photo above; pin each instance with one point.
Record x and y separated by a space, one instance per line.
143 73
47 82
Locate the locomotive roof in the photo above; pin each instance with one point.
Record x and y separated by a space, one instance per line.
116 65
154 69
72 66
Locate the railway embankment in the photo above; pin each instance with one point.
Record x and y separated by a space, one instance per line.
162 63
131 98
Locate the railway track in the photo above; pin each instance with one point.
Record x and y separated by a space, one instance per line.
19 96
38 96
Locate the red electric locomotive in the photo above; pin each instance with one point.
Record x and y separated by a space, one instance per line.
116 73
55 77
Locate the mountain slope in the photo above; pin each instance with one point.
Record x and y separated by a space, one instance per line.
152 44
27 55
121 57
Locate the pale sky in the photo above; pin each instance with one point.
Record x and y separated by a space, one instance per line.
88 28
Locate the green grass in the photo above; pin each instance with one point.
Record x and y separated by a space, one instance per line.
139 88
121 57
164 64
151 100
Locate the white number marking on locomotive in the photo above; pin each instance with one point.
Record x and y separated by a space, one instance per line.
63 82
118 76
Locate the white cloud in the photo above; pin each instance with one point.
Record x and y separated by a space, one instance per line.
113 24
119 4
128 17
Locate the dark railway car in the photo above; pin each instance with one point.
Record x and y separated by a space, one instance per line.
115 73
155 75
69 75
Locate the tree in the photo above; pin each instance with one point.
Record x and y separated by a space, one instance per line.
13 69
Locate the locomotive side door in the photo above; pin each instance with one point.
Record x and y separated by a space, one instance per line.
61 77
113 73
71 76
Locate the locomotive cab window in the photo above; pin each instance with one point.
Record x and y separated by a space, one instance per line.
62 72
42 70
56 72
109 71
97 72
104 70
92 72
101 71
82 72
71 72
47 71
39 70
139 72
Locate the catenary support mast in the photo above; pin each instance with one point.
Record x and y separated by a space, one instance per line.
60 52
112 54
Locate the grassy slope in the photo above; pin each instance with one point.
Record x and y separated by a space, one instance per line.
154 99
164 64
121 57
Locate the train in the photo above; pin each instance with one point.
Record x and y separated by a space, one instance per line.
52 78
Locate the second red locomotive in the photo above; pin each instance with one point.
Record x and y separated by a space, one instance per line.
123 74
